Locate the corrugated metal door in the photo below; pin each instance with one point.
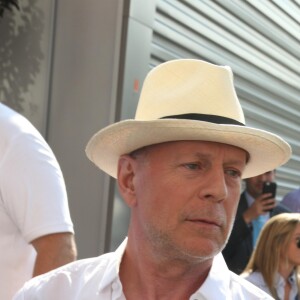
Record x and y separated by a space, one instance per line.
260 40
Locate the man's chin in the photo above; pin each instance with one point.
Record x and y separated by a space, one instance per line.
204 250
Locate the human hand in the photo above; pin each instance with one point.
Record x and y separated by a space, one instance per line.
261 205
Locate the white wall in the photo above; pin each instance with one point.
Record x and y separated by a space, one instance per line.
83 98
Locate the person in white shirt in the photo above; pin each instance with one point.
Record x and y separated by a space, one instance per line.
275 263
36 231
179 166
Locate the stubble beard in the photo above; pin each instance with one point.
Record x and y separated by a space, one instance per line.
164 248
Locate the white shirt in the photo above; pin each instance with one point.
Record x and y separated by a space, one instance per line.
257 279
33 199
98 278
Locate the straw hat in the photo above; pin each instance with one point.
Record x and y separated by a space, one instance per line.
188 99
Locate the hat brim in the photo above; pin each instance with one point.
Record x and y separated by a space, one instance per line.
267 151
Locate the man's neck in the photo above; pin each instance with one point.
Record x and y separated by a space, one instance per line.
143 278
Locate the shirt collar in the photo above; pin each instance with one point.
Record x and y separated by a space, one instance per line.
112 271
280 284
218 280
249 198
279 280
216 283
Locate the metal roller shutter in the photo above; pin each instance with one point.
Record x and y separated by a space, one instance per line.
260 40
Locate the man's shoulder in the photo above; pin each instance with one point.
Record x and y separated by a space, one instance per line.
67 279
280 208
293 195
74 270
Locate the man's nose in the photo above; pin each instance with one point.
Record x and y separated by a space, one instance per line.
214 187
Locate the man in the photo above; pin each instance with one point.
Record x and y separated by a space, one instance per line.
178 165
36 232
254 210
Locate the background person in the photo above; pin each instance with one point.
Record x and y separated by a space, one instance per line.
36 232
292 200
275 263
254 210
179 166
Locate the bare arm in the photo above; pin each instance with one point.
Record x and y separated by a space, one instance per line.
53 251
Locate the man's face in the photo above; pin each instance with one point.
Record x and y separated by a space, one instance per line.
254 185
186 196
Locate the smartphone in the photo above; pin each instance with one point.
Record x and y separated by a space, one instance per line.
270 187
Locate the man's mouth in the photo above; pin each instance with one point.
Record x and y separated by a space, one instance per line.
205 221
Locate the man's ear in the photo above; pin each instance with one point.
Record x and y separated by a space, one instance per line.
126 173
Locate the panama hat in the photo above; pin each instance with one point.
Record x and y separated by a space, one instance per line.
188 99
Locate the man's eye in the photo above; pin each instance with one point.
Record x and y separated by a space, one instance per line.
233 173
192 166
